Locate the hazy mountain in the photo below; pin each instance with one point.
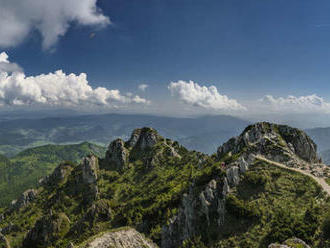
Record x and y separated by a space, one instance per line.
203 133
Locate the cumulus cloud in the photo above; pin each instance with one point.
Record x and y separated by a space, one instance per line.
302 104
202 96
143 87
57 89
50 18
6 66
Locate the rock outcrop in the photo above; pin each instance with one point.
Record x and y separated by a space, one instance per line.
126 238
47 229
140 146
25 199
89 168
291 243
117 155
277 142
143 138
58 175
197 213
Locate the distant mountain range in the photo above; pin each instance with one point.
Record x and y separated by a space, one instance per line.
202 133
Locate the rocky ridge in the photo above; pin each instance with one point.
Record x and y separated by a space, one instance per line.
201 209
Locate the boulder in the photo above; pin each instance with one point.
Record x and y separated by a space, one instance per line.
125 238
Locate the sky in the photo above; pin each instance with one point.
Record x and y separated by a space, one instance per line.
254 59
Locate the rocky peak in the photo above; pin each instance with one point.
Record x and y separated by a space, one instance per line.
277 142
117 154
89 168
25 199
143 138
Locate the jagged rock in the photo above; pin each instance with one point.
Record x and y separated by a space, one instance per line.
89 168
277 142
47 229
134 137
196 214
25 199
4 243
144 138
233 175
59 174
117 155
127 238
243 165
291 243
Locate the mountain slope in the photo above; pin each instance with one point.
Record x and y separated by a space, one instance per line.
25 169
177 197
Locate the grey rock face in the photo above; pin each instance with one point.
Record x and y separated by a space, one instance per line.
143 138
128 238
117 155
196 214
25 199
277 142
59 173
233 175
89 168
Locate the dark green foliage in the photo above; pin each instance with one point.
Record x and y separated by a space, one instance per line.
24 170
195 242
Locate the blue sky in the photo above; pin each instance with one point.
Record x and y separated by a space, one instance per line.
246 49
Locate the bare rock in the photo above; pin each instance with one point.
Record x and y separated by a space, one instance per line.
25 199
126 238
117 155
89 168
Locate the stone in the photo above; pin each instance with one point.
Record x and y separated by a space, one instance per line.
232 174
89 168
126 238
117 155
25 199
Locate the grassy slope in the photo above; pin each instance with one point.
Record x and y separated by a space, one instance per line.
286 204
25 169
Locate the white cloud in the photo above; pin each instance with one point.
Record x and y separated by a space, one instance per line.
5 65
50 18
57 89
293 104
202 96
143 87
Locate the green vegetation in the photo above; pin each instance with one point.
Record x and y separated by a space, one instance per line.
25 169
271 205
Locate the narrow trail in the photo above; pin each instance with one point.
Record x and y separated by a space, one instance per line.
320 181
